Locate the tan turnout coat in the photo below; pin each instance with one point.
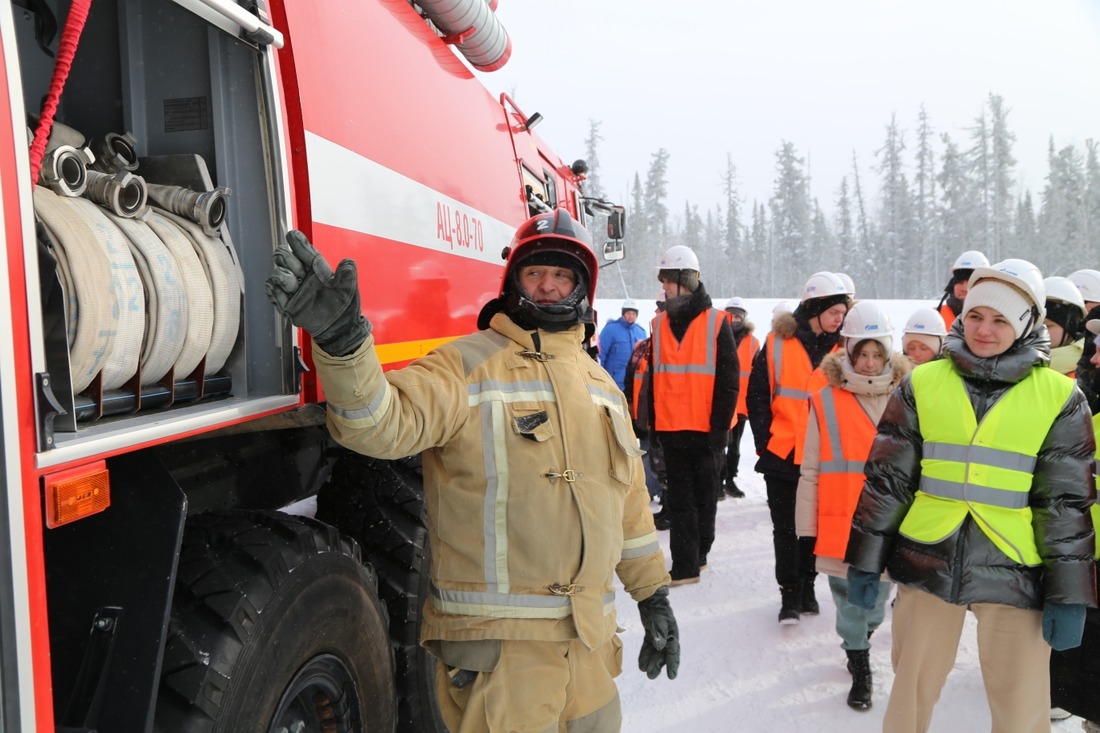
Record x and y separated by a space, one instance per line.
534 486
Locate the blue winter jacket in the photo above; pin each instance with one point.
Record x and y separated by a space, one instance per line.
616 344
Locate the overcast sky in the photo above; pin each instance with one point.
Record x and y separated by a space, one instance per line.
711 77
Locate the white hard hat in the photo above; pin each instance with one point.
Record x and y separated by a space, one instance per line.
970 260
736 303
678 257
1022 275
784 306
848 283
630 305
866 320
1062 290
1088 282
823 285
927 321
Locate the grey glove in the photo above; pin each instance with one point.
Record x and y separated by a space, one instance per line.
661 645
326 304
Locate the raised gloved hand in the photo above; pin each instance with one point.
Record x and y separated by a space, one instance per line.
305 289
718 441
862 588
661 645
1063 625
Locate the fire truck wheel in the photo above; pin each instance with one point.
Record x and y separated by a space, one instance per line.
275 626
381 505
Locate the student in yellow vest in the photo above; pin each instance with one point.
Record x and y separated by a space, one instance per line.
955 291
1065 321
747 346
780 384
838 438
1075 673
694 384
977 497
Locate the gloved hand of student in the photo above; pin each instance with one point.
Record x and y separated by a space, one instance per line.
862 588
1063 625
718 441
325 303
661 645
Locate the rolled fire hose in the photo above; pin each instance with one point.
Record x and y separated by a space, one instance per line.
129 318
220 272
90 299
166 308
200 299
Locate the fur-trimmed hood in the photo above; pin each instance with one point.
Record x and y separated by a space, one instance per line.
785 325
840 373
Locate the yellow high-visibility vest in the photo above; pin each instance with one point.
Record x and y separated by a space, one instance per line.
1095 508
984 470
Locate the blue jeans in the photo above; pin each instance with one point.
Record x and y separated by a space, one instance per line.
853 624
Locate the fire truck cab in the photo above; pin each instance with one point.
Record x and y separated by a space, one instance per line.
157 412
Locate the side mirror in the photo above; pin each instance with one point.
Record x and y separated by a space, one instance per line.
613 251
616 224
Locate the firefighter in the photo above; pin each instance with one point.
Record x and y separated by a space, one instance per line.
782 378
617 340
747 346
955 291
977 497
694 383
533 482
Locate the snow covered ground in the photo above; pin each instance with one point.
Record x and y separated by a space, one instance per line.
741 671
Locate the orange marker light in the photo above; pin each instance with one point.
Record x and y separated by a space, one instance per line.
77 493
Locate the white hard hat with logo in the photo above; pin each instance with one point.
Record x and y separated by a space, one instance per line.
1025 278
970 260
1088 282
927 321
630 305
678 257
823 285
866 320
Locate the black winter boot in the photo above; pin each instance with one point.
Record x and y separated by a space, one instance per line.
807 599
859 664
788 611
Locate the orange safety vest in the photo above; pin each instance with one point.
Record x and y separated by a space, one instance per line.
636 391
792 379
846 435
948 315
746 352
683 373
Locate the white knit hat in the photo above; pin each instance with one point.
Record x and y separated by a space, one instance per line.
1007 300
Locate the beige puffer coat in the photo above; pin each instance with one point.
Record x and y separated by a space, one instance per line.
872 393
534 486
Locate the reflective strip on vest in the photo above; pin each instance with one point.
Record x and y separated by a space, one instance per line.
661 363
507 605
832 426
792 379
846 435
963 474
746 353
682 372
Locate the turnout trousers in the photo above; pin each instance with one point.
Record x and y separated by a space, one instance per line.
1013 655
538 687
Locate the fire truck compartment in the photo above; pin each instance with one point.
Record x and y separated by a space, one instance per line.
203 111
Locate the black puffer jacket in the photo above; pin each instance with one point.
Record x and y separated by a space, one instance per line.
967 567
759 399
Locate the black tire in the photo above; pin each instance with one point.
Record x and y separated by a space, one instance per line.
275 620
381 505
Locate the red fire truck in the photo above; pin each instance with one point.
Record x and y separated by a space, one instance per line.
157 413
